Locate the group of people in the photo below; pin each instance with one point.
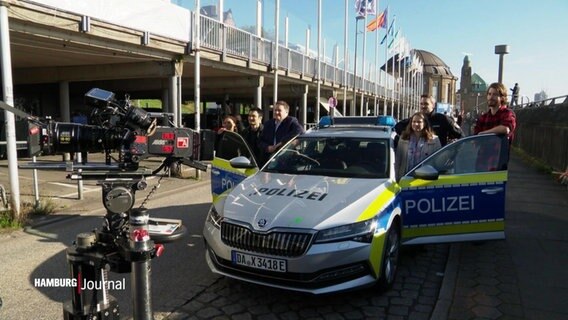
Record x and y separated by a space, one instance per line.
419 136
265 138
427 131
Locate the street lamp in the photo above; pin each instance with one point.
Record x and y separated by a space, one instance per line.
357 18
501 50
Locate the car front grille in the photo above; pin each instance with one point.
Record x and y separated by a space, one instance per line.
276 243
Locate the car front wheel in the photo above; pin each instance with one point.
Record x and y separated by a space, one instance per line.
391 254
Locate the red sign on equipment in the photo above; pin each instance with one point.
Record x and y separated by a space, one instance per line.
183 142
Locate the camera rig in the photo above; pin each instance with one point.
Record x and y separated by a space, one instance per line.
125 243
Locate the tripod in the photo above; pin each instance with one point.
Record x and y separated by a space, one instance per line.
123 245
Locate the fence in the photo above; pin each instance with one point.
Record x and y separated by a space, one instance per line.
542 131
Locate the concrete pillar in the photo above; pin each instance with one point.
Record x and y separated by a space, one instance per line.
64 109
64 106
166 100
173 94
8 97
175 91
266 110
304 111
258 95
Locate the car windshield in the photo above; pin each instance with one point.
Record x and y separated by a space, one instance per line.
333 156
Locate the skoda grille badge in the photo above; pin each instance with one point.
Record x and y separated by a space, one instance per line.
262 223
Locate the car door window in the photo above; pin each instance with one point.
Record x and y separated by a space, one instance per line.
232 145
471 155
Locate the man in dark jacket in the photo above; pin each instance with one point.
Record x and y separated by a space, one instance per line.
252 134
279 130
444 126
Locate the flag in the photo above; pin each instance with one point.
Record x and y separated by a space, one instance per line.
394 44
394 40
389 31
365 7
379 22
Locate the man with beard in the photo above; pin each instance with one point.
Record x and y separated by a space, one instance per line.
498 119
444 126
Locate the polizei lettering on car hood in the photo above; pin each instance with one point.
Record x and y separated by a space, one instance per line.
280 200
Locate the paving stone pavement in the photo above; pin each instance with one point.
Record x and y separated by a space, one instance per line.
487 285
524 276
413 296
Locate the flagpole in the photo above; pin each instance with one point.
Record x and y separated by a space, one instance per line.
399 80
393 78
385 83
363 65
353 106
376 77
345 58
317 113
276 22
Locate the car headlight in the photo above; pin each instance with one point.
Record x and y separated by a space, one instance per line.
214 217
361 231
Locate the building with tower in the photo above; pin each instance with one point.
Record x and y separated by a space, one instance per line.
438 78
472 89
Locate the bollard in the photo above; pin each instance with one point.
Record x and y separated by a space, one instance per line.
36 185
78 160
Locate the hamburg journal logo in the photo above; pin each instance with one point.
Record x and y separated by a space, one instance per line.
83 283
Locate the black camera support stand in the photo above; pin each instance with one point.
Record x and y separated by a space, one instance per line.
123 245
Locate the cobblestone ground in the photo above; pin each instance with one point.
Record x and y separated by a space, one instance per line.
487 285
413 296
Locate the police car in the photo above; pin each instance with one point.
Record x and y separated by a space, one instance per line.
326 213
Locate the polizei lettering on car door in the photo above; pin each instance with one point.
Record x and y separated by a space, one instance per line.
441 204
295 193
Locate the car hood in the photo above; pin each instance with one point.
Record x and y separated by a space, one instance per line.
271 200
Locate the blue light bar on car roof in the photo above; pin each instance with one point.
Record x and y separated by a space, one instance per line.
326 121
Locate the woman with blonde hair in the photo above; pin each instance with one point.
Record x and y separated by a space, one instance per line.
416 142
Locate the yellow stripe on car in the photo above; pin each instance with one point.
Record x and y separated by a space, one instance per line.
443 180
377 249
447 229
381 202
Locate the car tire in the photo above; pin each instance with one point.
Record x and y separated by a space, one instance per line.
391 257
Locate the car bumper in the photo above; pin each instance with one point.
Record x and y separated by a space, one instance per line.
324 268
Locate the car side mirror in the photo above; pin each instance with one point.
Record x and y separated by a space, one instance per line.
241 162
426 172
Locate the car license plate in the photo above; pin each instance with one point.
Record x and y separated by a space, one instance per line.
258 262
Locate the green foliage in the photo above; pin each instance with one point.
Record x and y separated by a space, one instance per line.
44 207
7 221
147 103
186 107
27 210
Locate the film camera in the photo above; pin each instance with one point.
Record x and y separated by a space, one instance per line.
126 242
116 125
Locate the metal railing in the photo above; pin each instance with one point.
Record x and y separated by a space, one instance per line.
229 40
560 100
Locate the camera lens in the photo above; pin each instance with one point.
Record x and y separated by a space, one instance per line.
138 118
73 137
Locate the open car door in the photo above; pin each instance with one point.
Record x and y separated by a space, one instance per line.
458 193
224 176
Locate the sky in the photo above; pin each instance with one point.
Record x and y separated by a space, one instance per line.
535 32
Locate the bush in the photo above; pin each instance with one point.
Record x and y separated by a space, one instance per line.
27 210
